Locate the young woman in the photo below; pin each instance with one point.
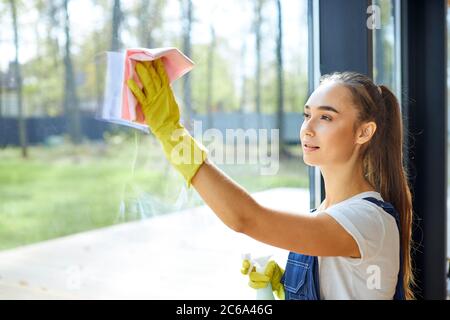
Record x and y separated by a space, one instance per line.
351 247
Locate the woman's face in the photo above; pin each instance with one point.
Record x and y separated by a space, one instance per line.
327 134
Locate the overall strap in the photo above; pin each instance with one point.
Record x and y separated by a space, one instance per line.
301 277
389 208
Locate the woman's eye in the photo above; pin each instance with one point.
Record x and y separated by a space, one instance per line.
327 118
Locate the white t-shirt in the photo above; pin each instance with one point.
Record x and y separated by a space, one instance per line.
374 275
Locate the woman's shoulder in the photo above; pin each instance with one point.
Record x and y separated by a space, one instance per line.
367 206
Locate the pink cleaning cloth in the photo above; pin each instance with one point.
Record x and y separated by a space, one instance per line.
175 63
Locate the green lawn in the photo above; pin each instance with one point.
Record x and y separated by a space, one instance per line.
66 189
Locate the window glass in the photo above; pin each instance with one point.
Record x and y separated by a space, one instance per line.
65 172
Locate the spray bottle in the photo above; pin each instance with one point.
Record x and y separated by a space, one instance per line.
260 264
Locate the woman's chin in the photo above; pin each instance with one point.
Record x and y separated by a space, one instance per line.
309 161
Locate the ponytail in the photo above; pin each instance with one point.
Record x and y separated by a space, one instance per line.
393 183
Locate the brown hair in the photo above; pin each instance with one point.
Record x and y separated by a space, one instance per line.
384 170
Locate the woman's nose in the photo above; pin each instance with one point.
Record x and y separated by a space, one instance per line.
307 130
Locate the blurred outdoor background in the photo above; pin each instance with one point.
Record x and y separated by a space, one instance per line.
113 210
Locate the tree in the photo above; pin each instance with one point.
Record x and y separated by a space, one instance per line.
18 81
149 14
2 82
243 94
52 16
187 17
71 106
210 76
1 73
1 89
117 18
42 92
257 29
223 91
280 77
1 94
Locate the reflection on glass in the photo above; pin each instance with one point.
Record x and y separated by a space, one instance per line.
386 45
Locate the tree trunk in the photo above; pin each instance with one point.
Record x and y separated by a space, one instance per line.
210 77
2 133
116 22
2 126
150 19
99 70
243 98
145 25
52 36
187 30
1 94
280 78
70 96
258 22
18 78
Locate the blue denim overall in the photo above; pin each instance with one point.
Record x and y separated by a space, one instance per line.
301 277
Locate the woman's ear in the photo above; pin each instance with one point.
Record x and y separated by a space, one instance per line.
366 132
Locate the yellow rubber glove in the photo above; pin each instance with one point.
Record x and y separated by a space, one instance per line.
162 115
272 274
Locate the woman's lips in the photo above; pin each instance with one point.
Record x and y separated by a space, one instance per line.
309 148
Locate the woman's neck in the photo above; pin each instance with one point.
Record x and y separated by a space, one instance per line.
342 183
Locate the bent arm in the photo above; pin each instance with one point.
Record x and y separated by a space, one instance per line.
318 235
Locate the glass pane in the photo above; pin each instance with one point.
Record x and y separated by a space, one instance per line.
64 173
386 45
